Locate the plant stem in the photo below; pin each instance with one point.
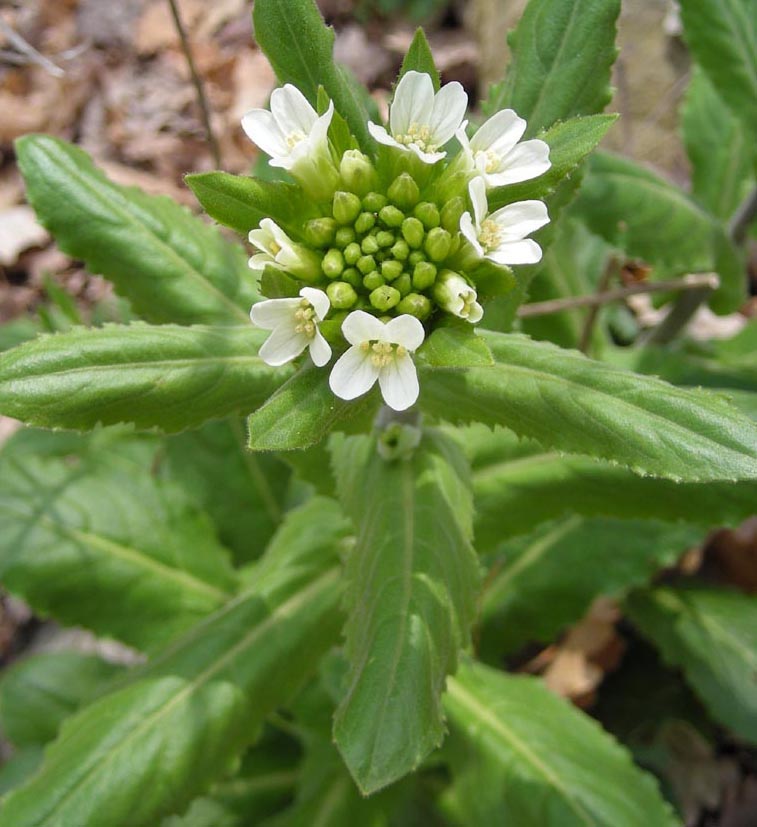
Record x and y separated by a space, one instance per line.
612 269
743 217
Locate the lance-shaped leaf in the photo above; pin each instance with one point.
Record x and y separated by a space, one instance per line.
413 578
164 376
712 636
98 541
171 266
419 59
521 755
146 749
572 403
562 56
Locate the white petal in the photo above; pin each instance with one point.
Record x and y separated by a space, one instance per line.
292 110
353 374
261 128
382 136
360 327
319 132
320 349
477 193
413 102
426 157
465 150
476 313
450 104
469 231
405 330
260 261
526 251
261 238
526 161
318 299
283 345
274 312
499 133
399 383
520 219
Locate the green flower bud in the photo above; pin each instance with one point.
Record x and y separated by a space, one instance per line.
400 250
413 232
424 275
346 207
365 264
333 263
391 269
374 201
357 172
373 280
352 276
438 244
381 255
364 222
451 214
428 214
391 216
404 192
369 245
319 232
341 295
385 238
404 284
416 256
344 236
415 305
385 297
352 253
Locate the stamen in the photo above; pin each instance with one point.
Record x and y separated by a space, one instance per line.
492 162
420 136
273 248
490 235
294 138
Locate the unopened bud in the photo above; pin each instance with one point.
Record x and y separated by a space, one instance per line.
352 253
453 294
391 269
341 295
404 284
385 297
404 192
364 222
373 280
428 214
369 245
424 275
352 276
416 256
385 238
413 232
357 172
415 305
374 201
346 207
400 250
333 263
391 217
451 214
438 243
319 232
344 236
365 264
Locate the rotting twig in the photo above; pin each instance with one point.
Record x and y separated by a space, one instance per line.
25 48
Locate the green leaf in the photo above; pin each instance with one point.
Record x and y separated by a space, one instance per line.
420 59
562 56
96 540
548 579
718 148
455 347
412 583
722 36
634 209
570 142
146 749
40 691
521 755
19 767
204 812
300 48
241 202
169 264
569 402
711 635
162 376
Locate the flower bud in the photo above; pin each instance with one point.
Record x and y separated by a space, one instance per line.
416 256
344 236
373 280
346 207
451 214
453 294
369 245
357 172
352 253
385 238
374 201
403 192
333 263
400 250
404 284
413 232
319 232
438 243
352 276
385 297
391 269
391 216
364 222
415 305
341 295
424 275
428 214
365 264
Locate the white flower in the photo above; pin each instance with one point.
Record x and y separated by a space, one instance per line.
294 323
278 250
379 351
496 153
453 294
421 121
501 236
291 131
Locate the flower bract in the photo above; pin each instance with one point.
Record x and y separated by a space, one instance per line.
379 351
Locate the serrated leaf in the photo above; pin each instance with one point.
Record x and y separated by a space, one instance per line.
521 755
711 635
722 36
148 748
169 264
98 541
163 376
419 59
455 347
412 584
569 402
562 56
300 48
547 580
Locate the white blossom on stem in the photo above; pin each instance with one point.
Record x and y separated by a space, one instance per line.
379 351
498 154
294 326
501 236
453 294
278 250
421 121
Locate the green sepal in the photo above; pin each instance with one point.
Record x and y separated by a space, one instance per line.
276 284
492 279
455 345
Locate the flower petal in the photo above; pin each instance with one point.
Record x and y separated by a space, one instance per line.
450 104
405 330
274 312
382 136
526 251
499 133
318 299
292 110
320 349
261 128
520 219
360 327
426 157
283 345
477 193
469 231
527 160
353 374
260 261
476 313
413 102
399 383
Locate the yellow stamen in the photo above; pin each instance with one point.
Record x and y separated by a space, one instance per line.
490 235
420 136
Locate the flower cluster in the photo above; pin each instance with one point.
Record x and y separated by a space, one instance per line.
394 239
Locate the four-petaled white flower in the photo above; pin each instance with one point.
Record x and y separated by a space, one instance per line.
294 323
501 236
421 121
380 351
456 296
496 152
291 131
